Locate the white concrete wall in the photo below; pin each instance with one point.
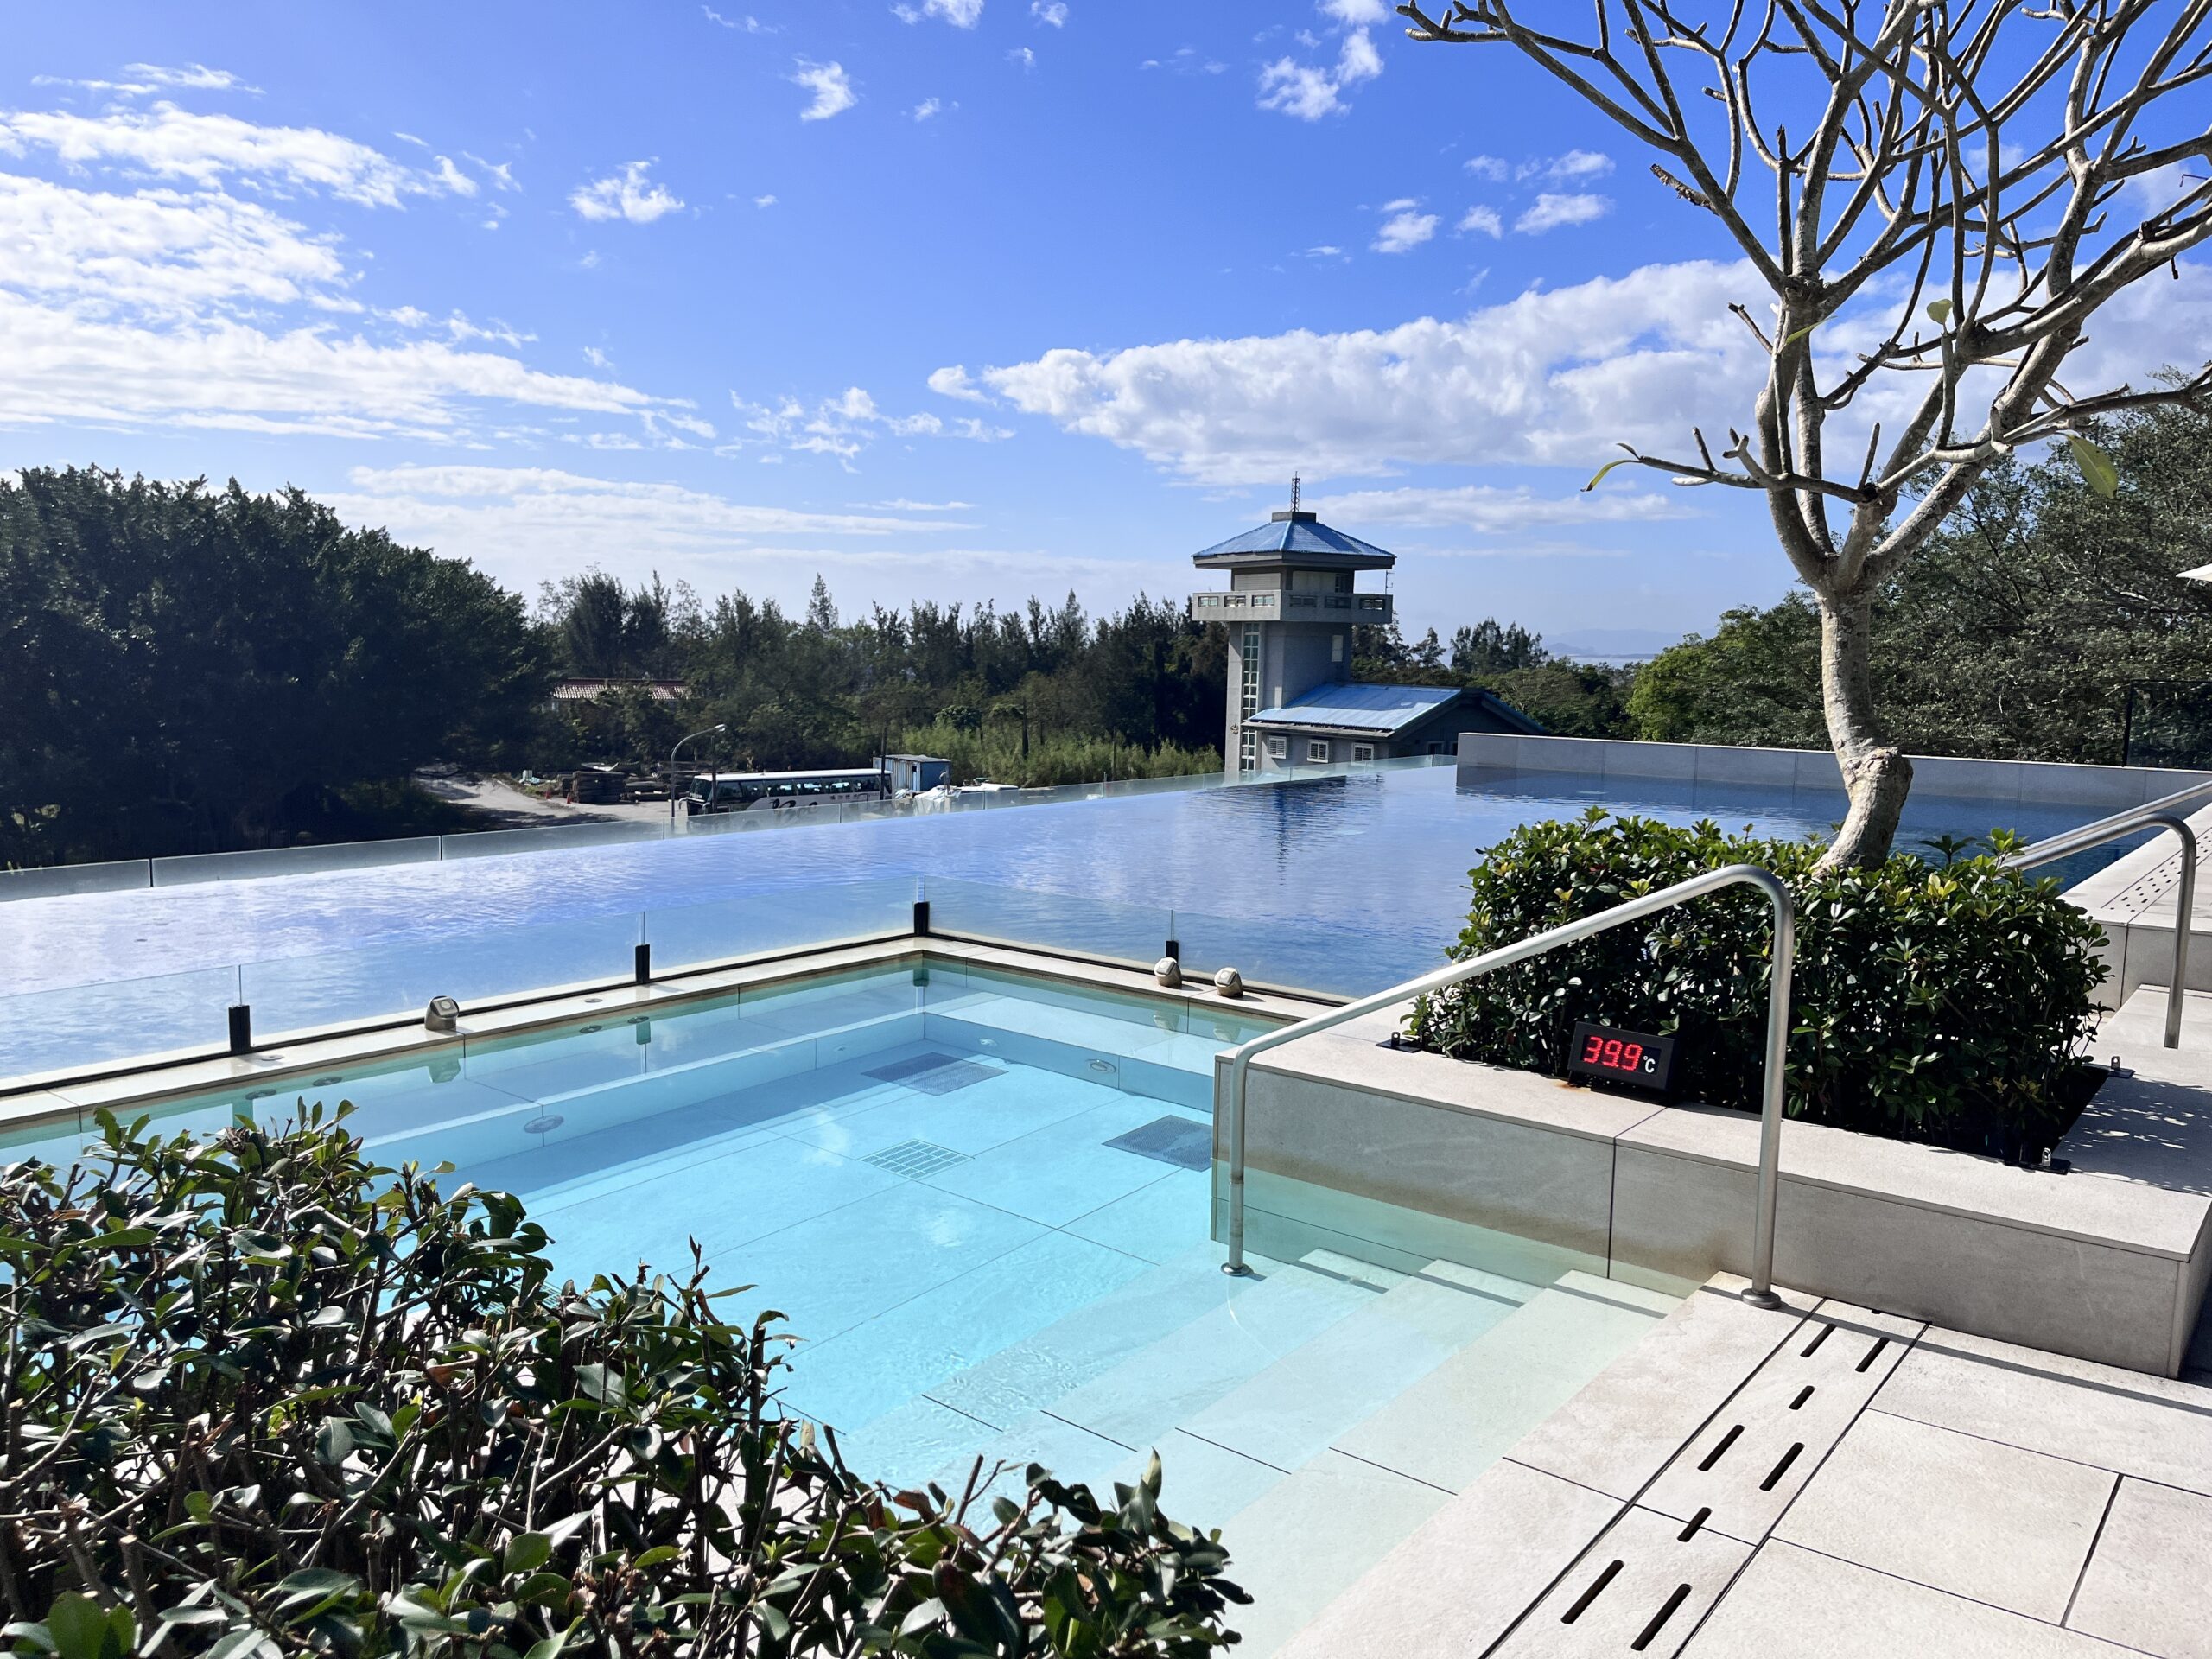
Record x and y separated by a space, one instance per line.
1395 1156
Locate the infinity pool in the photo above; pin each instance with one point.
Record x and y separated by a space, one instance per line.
982 1201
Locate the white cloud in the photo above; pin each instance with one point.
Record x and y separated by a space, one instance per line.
527 525
1485 219
1489 166
1565 169
1404 230
1026 56
166 142
1551 378
743 25
67 365
961 14
1311 91
954 382
1054 12
899 504
1490 509
160 251
144 78
628 194
926 108
832 89
843 426
597 359
1551 210
764 201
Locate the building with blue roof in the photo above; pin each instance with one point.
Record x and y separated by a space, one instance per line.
1291 604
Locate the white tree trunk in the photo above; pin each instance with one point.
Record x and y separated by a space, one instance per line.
1876 773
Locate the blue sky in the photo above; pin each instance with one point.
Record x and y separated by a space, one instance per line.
959 299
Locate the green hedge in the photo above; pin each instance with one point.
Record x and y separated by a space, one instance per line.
266 1399
1949 1004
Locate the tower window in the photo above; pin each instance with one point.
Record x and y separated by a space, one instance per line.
1362 754
1277 748
1336 647
1317 752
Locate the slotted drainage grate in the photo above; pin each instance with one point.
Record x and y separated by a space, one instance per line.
915 1159
937 1074
1181 1141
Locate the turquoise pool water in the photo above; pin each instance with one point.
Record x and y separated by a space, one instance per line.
982 1200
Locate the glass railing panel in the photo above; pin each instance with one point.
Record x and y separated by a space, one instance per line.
61 880
1050 921
193 868
778 919
497 843
380 982
1355 955
84 1026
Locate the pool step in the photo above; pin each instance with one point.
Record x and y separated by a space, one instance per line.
1166 1343
1319 1460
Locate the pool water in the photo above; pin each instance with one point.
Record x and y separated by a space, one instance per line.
982 1201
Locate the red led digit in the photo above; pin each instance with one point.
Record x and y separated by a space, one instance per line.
1612 1060
1631 1056
1597 1047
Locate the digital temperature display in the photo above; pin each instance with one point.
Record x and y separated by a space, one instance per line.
1628 1056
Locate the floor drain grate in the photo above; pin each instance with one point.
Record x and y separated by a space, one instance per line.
937 1074
1181 1141
915 1159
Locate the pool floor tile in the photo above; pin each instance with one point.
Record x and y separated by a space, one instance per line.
832 1272
763 1188
1065 1170
906 1350
1159 1222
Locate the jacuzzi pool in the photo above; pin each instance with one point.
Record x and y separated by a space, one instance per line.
982 1200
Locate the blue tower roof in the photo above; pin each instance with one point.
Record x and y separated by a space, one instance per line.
1300 538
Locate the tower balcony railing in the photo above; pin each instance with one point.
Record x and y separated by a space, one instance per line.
1272 605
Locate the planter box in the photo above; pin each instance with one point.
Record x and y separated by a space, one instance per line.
1390 1153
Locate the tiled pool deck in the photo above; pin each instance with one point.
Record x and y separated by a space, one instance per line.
1773 1486
1890 1487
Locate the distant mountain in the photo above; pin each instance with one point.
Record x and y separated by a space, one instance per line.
1612 645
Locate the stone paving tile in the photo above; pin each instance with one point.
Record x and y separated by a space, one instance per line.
2148 1427
2147 1585
1750 1462
1621 1429
1640 1588
1812 1606
1452 1587
1990 1521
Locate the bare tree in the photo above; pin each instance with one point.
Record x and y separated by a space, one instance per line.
1973 181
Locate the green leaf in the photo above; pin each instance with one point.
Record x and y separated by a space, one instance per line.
2097 469
1940 309
1600 477
77 1626
656 1555
528 1551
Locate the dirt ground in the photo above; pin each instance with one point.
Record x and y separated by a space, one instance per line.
500 805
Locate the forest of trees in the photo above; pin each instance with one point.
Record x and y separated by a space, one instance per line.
2014 634
184 669
1040 695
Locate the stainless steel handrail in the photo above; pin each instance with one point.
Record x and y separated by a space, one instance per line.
2127 823
2131 814
1760 1291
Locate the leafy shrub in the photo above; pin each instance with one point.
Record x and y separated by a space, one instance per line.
1945 1004
263 1398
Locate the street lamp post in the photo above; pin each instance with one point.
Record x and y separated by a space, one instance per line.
707 731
